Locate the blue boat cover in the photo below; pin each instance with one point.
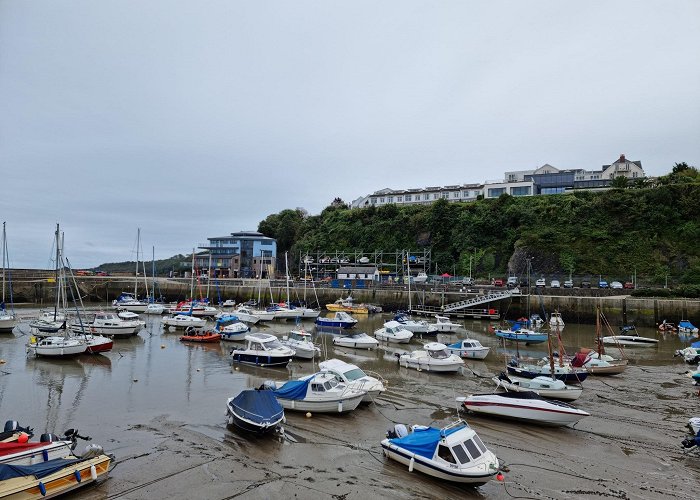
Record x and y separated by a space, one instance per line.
686 324
423 441
294 389
696 345
456 345
258 406
39 470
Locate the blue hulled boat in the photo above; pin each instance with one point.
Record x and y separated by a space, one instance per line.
255 410
520 334
341 319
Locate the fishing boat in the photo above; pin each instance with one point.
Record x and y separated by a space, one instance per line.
685 326
322 393
414 326
443 324
262 349
454 453
518 333
255 410
339 320
201 336
54 477
358 340
354 377
8 319
434 357
183 321
524 406
302 344
469 349
393 331
545 386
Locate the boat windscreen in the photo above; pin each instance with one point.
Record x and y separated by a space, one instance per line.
354 374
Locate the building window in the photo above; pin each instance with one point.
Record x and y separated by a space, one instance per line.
455 194
408 197
520 191
381 199
552 190
436 196
426 196
399 199
390 199
445 195
374 201
496 192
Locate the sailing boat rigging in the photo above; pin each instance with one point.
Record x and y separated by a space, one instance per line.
597 362
127 301
8 320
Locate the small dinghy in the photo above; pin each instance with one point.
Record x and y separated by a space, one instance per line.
356 341
545 386
340 319
518 333
255 410
434 357
630 341
443 324
524 406
685 326
321 392
393 331
201 336
469 349
454 453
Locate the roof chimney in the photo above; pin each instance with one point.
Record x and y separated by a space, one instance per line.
622 159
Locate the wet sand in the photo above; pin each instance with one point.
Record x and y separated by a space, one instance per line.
158 405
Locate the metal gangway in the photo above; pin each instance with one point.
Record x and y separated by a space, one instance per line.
475 301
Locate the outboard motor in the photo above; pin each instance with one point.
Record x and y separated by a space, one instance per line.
92 450
269 385
399 430
49 438
13 426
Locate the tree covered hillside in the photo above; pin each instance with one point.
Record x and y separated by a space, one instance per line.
653 231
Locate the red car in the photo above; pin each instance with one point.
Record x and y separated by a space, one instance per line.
498 282
628 285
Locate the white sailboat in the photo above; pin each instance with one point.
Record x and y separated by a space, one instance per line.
8 319
126 300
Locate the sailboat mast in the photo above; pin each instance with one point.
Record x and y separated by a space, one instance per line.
153 273
209 275
408 271
136 272
58 282
192 278
3 264
551 357
286 272
601 349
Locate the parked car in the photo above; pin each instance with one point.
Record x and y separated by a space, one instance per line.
554 284
498 282
568 284
585 284
541 282
616 285
524 282
628 285
603 284
512 281
467 281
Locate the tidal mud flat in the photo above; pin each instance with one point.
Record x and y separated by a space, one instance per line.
159 406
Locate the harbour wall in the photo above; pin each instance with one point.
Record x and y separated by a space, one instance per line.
576 305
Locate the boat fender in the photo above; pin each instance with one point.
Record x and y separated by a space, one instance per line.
410 464
340 406
93 473
77 475
45 455
42 489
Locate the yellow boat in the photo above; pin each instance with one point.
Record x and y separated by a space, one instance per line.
51 479
346 305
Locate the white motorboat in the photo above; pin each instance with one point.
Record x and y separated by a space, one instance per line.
630 341
434 357
356 341
469 349
354 377
129 302
127 315
252 316
194 308
262 349
56 346
319 393
420 326
555 320
690 354
183 321
597 363
8 321
301 342
282 312
228 303
443 324
307 312
524 406
14 453
233 331
107 323
421 277
393 331
48 323
547 387
154 308
454 453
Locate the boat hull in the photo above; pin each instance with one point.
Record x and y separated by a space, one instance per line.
248 426
568 377
8 323
334 324
477 353
630 341
260 360
355 344
548 416
49 451
528 338
427 366
568 394
341 405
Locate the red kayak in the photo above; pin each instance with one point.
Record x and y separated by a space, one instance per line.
201 337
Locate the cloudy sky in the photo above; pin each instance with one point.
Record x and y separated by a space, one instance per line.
192 119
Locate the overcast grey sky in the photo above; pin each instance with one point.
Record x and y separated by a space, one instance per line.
193 119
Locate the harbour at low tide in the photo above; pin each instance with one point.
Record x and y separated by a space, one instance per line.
158 405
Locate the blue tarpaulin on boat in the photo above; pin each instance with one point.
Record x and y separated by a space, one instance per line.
423 441
39 470
258 406
686 324
696 345
294 389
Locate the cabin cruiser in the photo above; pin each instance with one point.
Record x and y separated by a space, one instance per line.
110 324
250 315
358 340
320 392
454 453
469 349
413 326
443 324
301 342
556 321
393 331
200 309
129 302
354 377
183 321
547 387
434 357
524 406
283 312
340 319
262 349
56 346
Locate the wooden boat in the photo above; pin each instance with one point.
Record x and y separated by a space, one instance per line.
347 305
454 453
52 478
